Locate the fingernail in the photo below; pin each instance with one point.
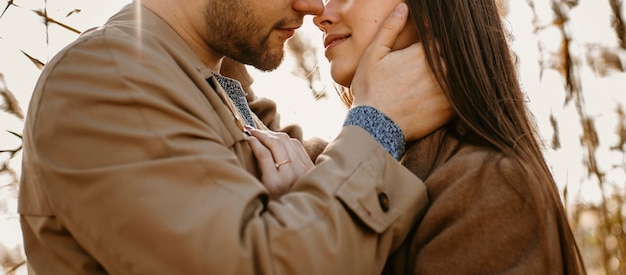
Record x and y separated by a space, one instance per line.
400 9
245 131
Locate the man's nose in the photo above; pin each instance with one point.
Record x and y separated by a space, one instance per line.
313 7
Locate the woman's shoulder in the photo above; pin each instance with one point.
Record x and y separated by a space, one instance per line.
482 170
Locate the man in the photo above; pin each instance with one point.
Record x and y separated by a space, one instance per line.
136 162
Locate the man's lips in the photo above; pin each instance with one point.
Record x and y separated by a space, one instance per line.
333 39
287 32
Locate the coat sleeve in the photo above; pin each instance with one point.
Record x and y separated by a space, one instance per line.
132 163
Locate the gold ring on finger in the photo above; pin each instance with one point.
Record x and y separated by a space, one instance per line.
278 164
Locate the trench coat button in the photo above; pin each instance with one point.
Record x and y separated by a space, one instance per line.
383 200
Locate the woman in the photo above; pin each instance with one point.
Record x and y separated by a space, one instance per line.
494 206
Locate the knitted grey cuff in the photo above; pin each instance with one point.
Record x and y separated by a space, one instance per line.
382 128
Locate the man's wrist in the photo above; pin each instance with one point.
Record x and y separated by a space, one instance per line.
381 127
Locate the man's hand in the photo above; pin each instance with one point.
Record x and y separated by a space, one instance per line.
399 83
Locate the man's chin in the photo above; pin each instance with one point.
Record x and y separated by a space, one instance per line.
268 62
264 59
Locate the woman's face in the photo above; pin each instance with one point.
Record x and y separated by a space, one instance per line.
349 26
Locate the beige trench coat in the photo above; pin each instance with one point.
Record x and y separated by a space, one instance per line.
134 164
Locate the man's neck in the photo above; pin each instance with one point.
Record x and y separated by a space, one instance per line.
173 13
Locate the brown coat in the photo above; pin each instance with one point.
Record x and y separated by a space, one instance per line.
134 164
482 217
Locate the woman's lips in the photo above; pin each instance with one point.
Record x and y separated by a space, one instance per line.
333 40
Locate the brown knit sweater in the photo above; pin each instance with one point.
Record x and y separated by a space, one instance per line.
483 217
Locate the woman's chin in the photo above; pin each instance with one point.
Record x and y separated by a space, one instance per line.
343 79
344 84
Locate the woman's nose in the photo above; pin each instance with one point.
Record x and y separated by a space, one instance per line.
321 23
325 19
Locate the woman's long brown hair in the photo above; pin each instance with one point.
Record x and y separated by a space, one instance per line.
481 83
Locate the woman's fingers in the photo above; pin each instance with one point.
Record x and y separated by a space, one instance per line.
281 159
275 186
278 144
263 155
303 157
